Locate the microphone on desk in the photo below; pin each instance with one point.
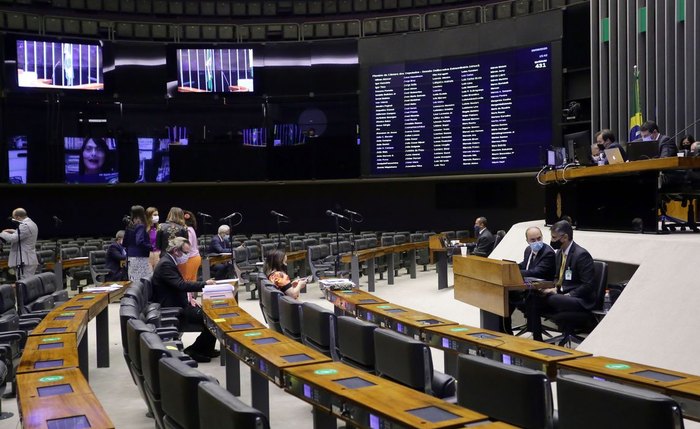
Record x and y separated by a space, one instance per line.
204 215
274 213
334 214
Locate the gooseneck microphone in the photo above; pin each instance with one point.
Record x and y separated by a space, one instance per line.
274 213
204 215
334 214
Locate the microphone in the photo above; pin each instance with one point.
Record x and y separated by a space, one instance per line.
334 214
229 216
126 218
57 220
352 212
274 213
11 219
204 214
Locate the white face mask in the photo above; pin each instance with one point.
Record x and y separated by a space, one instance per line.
181 259
155 219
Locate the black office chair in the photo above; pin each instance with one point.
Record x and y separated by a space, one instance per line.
290 317
574 323
219 409
409 362
4 376
98 270
512 394
269 296
585 403
318 329
31 297
356 343
179 391
51 286
316 258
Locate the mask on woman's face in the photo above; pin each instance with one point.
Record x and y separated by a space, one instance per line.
155 219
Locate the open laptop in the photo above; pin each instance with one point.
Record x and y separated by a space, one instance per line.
614 156
584 156
639 150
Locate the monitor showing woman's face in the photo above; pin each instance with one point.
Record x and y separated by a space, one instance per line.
93 157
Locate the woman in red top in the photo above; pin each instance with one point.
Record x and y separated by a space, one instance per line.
276 271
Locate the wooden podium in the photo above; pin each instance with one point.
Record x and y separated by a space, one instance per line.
485 283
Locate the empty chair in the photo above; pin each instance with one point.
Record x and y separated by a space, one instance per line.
317 264
134 329
269 296
308 242
267 248
52 287
463 234
31 297
512 394
318 329
499 236
45 256
219 409
414 368
449 235
356 342
179 390
422 255
98 268
296 245
290 317
588 403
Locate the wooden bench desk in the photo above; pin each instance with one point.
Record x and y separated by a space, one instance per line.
688 397
64 411
54 382
400 319
68 322
219 303
346 301
366 400
97 307
268 354
49 352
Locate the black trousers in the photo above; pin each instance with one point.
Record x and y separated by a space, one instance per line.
194 322
538 304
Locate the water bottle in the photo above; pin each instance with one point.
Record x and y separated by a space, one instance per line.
606 302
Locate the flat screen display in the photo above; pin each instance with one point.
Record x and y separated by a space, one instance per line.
433 414
551 352
489 112
91 160
215 70
288 135
154 160
42 64
658 376
17 160
301 357
256 137
59 389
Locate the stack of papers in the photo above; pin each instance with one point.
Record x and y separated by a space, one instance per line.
335 284
219 287
102 289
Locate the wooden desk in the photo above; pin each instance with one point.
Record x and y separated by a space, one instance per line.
218 303
376 403
97 307
49 352
37 412
117 295
627 373
688 397
654 165
268 354
400 319
31 385
346 301
68 322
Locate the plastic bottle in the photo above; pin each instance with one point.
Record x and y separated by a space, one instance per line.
606 302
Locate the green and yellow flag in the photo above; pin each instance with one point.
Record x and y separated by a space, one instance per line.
636 117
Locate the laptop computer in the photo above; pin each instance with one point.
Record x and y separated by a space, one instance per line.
639 150
584 156
614 156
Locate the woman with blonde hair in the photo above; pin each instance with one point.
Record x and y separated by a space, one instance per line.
152 220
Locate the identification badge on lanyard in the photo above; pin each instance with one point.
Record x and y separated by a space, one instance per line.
568 275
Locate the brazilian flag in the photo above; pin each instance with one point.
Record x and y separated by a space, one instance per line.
636 118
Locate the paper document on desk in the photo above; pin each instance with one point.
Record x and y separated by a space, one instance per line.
102 289
219 287
336 284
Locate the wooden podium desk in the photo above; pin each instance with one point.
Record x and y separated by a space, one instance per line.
49 352
97 307
61 398
688 397
268 354
400 319
346 301
369 401
625 372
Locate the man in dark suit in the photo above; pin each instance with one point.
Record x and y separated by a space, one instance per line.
115 260
170 290
574 279
220 244
650 131
484 239
606 138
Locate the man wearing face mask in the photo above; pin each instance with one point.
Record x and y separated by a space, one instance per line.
484 239
573 279
220 244
170 290
650 131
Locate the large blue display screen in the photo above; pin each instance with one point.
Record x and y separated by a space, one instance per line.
480 113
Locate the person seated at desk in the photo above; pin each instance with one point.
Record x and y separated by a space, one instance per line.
606 138
598 154
170 290
485 241
220 244
538 262
574 277
115 260
688 145
650 131
276 271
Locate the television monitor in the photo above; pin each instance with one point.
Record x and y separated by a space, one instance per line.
486 112
91 160
17 160
574 142
255 137
215 70
154 160
60 65
177 135
289 135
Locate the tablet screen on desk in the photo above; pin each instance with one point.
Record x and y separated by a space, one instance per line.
429 321
297 358
483 335
63 318
367 301
220 305
656 375
229 315
551 352
354 382
75 422
74 307
48 363
432 414
268 340
241 326
395 310
59 389
54 330
50 346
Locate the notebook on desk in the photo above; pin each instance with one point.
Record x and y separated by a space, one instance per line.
614 156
